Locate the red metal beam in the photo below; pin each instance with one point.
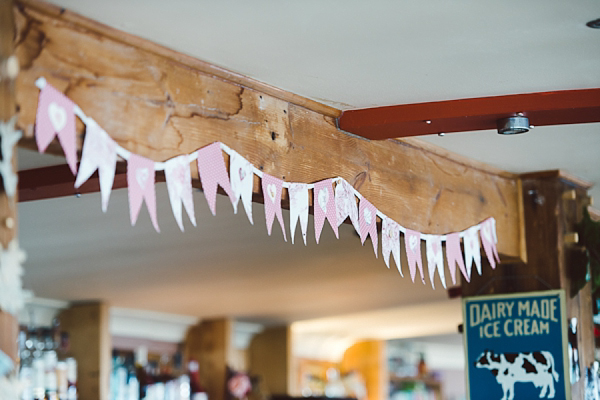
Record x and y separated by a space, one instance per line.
58 181
546 108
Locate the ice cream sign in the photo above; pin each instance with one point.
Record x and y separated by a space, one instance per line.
516 346
514 317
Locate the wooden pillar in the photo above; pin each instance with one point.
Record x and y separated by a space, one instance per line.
270 357
8 207
369 358
552 204
210 343
88 327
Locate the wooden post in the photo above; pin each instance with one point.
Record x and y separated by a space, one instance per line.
88 327
270 357
8 207
210 343
552 203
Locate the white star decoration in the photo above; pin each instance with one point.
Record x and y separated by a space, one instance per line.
10 388
9 138
12 295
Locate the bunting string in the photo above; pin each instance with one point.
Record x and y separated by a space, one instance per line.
334 198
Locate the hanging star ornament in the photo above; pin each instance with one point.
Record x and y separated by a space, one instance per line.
12 295
9 138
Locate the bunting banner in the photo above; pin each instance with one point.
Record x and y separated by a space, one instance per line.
367 218
56 117
334 199
273 187
298 193
99 153
390 242
325 207
140 181
435 258
412 242
179 186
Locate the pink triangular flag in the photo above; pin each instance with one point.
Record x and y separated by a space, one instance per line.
140 181
272 188
345 204
179 186
367 215
298 193
99 153
454 257
56 117
211 167
435 259
472 249
324 205
487 233
241 177
390 242
412 242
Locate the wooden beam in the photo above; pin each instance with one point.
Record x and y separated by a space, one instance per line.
546 108
159 106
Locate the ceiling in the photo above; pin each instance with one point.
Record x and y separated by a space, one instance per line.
347 54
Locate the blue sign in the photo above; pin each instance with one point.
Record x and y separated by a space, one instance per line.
516 346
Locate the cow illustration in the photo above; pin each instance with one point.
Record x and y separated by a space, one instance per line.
509 368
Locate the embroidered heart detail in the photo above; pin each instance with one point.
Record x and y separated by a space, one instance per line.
58 116
272 192
413 242
242 173
323 199
435 247
390 232
142 175
368 216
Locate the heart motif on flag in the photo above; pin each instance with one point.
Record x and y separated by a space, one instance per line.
141 175
242 173
368 216
390 233
272 192
58 116
323 199
435 247
487 232
413 242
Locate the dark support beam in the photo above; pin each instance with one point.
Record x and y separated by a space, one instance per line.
58 181
546 108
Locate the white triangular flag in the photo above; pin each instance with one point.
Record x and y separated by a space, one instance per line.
99 153
298 193
179 186
241 176
390 242
435 258
472 249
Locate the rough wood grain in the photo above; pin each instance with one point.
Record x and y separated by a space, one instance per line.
159 107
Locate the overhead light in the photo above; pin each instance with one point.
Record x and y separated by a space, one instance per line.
594 24
513 125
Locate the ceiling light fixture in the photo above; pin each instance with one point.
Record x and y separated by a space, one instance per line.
595 24
513 125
